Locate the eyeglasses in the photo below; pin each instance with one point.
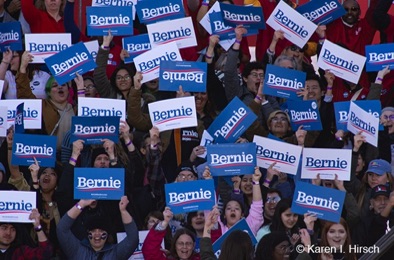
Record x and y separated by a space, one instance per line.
390 117
281 119
274 199
353 9
255 75
119 78
186 177
295 48
89 87
184 244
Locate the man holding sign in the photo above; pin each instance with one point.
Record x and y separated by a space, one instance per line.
9 246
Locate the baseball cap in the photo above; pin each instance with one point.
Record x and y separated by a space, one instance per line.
380 190
379 166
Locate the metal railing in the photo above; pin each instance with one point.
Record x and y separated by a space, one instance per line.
385 243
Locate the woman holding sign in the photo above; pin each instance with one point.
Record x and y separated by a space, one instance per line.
182 245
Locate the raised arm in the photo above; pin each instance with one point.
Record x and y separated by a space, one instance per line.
99 75
126 248
141 121
23 89
231 80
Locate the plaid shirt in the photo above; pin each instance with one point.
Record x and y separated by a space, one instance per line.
43 251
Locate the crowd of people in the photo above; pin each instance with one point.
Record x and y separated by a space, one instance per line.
65 228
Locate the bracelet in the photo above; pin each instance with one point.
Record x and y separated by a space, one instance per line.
256 183
130 142
115 160
329 88
105 47
310 231
154 146
78 206
208 57
237 41
35 182
81 92
9 148
259 98
204 3
339 138
73 160
267 181
236 191
38 228
5 62
379 78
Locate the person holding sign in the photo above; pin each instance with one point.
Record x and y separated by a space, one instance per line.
121 80
38 78
378 173
56 110
12 246
97 245
234 210
182 245
252 76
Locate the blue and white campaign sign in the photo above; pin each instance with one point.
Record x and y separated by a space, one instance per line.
190 196
27 146
155 11
343 63
19 125
93 48
374 107
206 23
131 3
361 120
16 206
326 162
379 56
118 20
304 113
44 45
31 112
295 26
240 225
93 130
102 107
137 255
325 203
286 156
321 12
249 16
219 28
232 122
231 159
283 82
10 36
135 45
206 139
99 183
173 113
180 31
148 63
191 75
3 121
65 64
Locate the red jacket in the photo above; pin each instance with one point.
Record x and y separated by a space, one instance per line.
40 21
152 247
